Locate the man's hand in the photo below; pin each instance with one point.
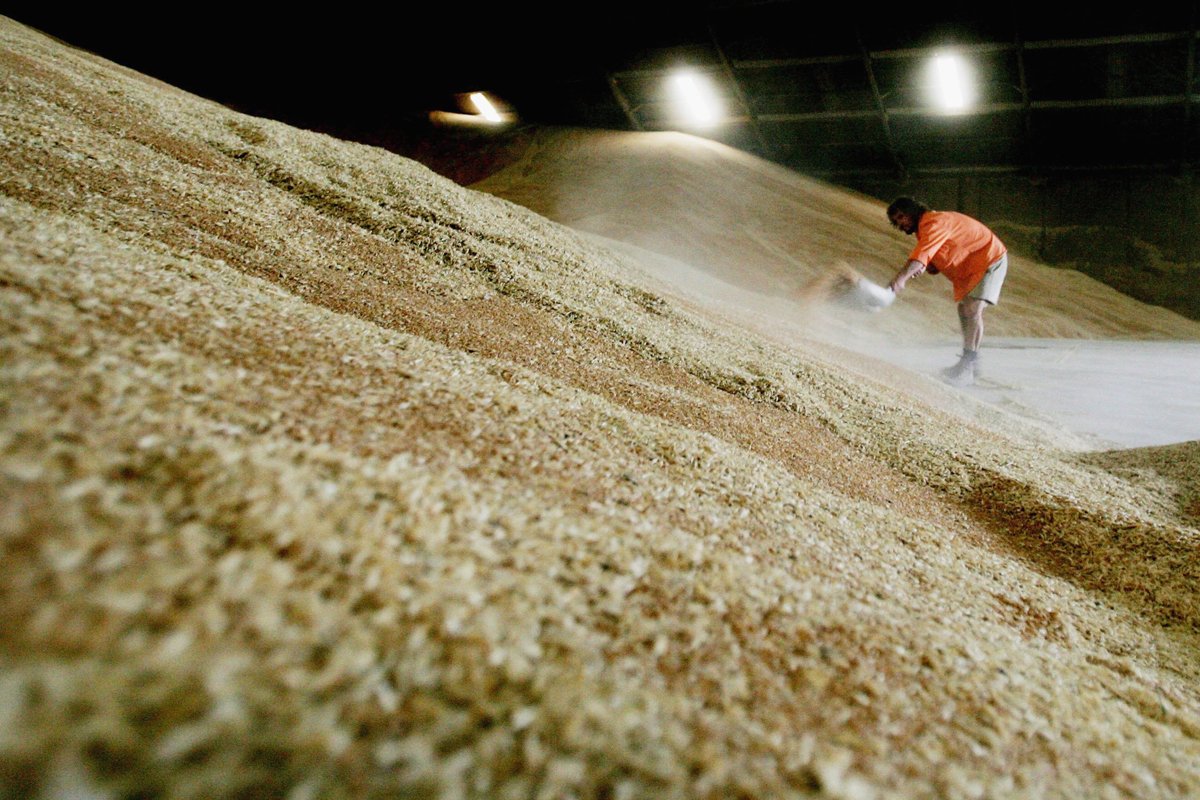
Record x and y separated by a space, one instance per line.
911 270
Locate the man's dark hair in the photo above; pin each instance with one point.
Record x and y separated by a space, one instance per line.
914 208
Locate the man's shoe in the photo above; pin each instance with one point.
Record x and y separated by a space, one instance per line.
965 371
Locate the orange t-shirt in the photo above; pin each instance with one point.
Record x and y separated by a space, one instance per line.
959 247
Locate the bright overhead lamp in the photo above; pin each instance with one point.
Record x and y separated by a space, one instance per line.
485 107
694 97
950 82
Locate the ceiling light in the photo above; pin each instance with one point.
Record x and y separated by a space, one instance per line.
485 107
696 100
951 82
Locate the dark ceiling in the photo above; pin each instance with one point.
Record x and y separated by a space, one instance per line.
828 91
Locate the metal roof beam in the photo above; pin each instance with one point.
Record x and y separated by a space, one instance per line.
658 72
623 101
980 47
741 96
1105 41
985 170
883 112
1189 80
1145 101
1025 101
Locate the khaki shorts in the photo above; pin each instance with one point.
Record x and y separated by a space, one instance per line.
988 288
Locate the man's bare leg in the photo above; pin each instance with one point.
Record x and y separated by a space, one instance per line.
970 317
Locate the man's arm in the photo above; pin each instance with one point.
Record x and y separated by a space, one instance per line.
911 270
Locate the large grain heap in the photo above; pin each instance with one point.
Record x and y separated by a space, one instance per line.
755 225
324 477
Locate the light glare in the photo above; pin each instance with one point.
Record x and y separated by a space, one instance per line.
485 107
697 103
950 85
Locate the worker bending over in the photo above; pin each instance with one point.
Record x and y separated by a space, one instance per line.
965 251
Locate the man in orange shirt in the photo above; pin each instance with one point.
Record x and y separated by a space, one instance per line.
965 251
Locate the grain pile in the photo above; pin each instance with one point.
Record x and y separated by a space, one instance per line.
758 226
325 477
1120 257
